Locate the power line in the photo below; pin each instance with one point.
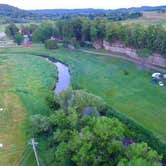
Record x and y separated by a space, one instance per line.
33 143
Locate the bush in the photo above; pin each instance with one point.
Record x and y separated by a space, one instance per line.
140 133
39 124
52 102
74 42
144 52
80 99
18 38
51 44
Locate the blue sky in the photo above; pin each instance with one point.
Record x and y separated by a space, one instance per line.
69 4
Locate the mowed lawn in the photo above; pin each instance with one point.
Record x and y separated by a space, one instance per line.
24 84
125 86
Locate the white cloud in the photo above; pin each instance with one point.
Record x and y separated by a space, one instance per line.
55 4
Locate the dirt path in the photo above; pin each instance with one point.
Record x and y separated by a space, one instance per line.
126 59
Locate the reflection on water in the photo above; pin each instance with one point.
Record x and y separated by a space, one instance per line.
63 81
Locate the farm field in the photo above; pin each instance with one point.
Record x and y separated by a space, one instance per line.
124 86
24 85
152 17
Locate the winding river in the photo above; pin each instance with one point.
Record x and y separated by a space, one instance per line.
63 81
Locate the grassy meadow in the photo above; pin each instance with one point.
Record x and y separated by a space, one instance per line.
124 86
149 17
25 83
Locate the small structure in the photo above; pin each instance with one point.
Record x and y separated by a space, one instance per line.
26 41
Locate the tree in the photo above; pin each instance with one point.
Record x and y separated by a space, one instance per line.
18 38
32 28
76 25
11 30
140 154
97 142
51 44
44 32
98 29
80 99
86 30
138 162
39 124
114 32
83 140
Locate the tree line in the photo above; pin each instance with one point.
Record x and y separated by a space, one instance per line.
79 30
16 15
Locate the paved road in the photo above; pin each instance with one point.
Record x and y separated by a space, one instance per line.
125 58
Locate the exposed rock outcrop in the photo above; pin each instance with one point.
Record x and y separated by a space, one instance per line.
154 59
98 44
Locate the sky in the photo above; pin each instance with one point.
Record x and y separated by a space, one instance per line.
70 4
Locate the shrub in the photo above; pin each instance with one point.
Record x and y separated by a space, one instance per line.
144 52
140 133
51 44
40 124
18 38
74 42
52 102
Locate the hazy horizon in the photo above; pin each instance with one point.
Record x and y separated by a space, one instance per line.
78 4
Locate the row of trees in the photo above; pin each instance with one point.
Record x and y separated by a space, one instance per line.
78 133
152 37
79 30
13 32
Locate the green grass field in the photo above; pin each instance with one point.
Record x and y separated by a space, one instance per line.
125 86
26 80
152 17
24 84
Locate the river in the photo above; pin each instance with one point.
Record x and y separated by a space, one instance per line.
63 81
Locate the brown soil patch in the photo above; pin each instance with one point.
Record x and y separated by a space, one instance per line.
11 119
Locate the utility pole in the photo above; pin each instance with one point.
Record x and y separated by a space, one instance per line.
33 143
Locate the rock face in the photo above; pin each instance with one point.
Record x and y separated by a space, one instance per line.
121 48
154 59
157 59
98 44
